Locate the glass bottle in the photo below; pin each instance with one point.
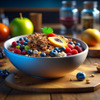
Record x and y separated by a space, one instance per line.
69 14
89 15
3 18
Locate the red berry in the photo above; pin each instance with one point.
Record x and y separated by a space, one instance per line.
14 43
21 42
11 49
74 51
68 50
17 51
79 49
51 35
70 46
23 52
69 54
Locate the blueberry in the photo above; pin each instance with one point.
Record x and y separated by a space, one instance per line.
38 45
42 54
0 49
1 73
25 43
27 40
24 38
20 39
22 47
56 48
77 43
53 53
6 74
80 76
71 42
1 56
31 35
62 48
18 44
29 51
5 70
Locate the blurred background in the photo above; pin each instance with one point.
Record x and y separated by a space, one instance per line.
48 8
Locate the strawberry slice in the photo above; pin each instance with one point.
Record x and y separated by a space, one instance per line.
51 35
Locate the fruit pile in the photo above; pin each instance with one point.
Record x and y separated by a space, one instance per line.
2 54
45 44
4 73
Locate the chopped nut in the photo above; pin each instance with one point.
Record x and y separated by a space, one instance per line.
87 82
71 79
92 75
96 64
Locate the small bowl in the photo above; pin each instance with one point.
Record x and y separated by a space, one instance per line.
46 67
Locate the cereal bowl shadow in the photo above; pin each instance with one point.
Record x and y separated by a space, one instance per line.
46 67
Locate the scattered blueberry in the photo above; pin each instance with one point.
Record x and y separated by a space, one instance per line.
71 42
25 43
77 43
29 51
62 48
42 54
35 51
80 76
53 53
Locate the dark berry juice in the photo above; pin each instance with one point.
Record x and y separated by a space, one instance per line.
68 22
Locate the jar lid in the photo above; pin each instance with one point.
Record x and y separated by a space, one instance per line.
69 3
90 4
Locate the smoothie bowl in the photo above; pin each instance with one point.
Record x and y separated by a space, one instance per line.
48 56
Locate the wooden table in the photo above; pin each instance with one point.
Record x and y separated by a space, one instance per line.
7 93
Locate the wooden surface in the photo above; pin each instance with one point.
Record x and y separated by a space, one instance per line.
25 82
7 93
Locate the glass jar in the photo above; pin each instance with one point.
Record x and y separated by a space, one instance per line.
3 18
69 14
89 15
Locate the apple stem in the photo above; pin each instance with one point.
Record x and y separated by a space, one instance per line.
21 15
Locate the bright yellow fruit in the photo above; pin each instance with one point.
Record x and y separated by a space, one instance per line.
91 36
57 41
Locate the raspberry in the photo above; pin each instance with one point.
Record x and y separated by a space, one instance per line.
68 50
74 51
69 54
17 51
24 52
14 44
79 49
70 46
11 49
21 42
51 35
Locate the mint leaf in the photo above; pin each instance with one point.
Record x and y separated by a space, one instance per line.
50 30
47 30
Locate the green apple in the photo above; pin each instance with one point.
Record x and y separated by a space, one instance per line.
21 26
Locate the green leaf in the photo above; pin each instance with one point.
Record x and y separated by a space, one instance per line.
47 30
50 30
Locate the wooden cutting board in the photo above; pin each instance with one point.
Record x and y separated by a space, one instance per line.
24 82
94 51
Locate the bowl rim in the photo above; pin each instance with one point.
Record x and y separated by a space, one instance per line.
46 57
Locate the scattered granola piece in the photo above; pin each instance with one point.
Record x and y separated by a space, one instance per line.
92 75
87 82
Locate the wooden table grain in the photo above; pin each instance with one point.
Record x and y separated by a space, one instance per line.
7 93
